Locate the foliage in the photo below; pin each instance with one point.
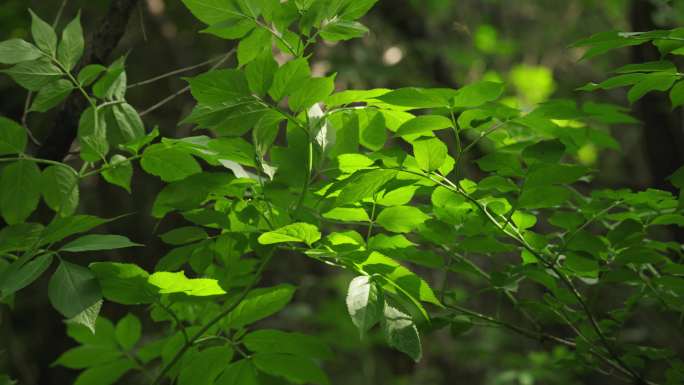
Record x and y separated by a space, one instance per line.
367 181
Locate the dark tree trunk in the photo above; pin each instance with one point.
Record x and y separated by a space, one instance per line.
663 133
103 42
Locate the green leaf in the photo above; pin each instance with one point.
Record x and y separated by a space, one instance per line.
86 356
677 94
340 29
51 95
401 219
548 173
88 317
543 197
476 94
372 128
364 184
33 75
242 372
430 153
94 242
260 303
106 374
424 124
169 283
652 66
219 86
119 172
651 82
128 331
294 369
17 278
112 85
60 189
411 285
129 127
231 28
277 341
546 151
365 303
357 8
260 73
253 45
62 227
15 51
73 289
19 190
295 232
183 235
124 283
203 367
417 98
71 47
289 78
347 214
168 162
401 333
92 134
43 34
89 73
212 11
311 91
13 137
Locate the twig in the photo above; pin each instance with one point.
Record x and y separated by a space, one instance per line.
184 89
213 321
175 72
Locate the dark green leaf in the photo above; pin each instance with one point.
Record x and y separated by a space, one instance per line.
95 242
401 332
73 289
276 341
124 283
13 137
17 278
19 190
170 163
60 189
295 369
260 303
51 95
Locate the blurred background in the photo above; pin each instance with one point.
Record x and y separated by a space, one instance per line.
444 43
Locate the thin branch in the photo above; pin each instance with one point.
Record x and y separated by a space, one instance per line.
175 72
185 89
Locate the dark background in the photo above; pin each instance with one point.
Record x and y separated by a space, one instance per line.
444 43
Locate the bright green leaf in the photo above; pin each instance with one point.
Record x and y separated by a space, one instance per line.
295 232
